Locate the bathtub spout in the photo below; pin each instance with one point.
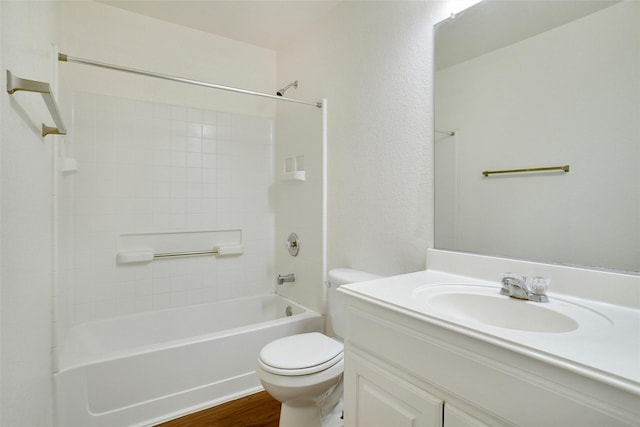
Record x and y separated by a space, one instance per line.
286 278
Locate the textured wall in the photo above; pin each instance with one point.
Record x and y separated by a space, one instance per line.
372 60
26 227
299 203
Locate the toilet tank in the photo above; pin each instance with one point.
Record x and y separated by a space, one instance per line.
337 278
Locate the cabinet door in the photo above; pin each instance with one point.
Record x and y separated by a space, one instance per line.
377 398
453 417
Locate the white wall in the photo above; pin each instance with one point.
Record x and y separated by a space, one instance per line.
372 60
299 203
107 34
26 227
567 217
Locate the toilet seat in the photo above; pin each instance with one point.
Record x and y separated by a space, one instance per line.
301 354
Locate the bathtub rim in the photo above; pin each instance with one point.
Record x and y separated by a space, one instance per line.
170 344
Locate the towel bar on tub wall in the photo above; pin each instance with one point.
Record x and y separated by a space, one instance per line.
147 255
217 251
15 83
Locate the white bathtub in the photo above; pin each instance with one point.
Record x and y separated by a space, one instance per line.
147 368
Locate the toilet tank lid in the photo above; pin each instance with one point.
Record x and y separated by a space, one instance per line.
342 276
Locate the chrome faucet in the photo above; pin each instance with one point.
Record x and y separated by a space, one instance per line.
516 287
286 278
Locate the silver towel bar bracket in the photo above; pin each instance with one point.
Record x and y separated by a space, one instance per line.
15 83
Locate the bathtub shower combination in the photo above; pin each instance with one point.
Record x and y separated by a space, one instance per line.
147 368
169 180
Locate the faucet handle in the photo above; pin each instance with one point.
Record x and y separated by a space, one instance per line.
507 275
510 278
539 285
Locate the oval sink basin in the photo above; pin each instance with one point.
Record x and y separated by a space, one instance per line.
502 312
486 306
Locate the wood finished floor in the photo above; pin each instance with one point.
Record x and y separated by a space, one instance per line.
256 410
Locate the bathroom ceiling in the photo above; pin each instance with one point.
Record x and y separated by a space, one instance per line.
267 23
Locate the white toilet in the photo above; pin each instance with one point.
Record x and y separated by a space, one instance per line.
304 371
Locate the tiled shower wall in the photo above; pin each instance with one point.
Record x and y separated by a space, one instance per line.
152 168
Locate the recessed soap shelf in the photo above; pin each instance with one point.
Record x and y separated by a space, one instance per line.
293 169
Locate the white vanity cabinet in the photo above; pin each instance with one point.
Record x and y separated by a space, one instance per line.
383 399
401 369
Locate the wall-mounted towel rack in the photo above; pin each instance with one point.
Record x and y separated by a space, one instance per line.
15 83
217 251
564 168
445 132
130 256
181 254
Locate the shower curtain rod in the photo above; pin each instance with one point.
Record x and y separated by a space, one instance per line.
68 58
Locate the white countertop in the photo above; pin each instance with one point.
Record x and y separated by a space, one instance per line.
605 346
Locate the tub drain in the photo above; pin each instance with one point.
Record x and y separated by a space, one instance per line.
288 311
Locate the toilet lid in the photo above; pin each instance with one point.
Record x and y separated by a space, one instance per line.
301 354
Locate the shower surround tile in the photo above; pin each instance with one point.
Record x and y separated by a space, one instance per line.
151 168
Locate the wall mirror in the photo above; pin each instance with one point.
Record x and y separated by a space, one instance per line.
537 84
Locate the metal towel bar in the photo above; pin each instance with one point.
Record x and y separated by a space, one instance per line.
15 83
564 168
181 254
223 250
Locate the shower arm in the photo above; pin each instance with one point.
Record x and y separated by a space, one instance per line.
284 89
68 58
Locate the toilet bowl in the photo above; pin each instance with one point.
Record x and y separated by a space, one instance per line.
304 371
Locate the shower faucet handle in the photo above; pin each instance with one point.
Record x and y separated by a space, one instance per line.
292 244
